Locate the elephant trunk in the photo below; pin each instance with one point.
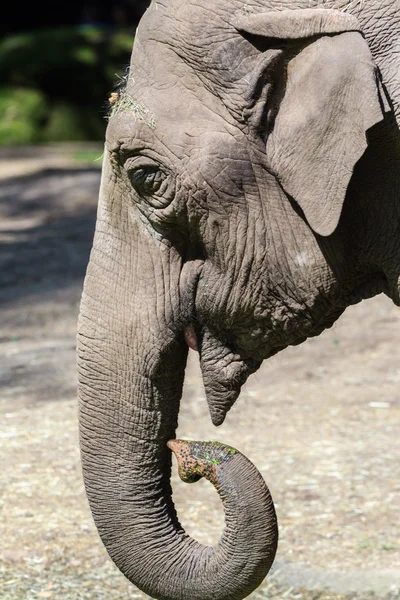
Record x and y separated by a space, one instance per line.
246 550
127 481
131 361
126 465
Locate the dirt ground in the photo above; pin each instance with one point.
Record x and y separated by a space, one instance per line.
321 421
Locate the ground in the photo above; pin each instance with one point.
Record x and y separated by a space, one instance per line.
321 421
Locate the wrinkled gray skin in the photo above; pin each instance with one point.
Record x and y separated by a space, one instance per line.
277 149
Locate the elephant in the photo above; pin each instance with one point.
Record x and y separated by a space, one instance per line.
249 194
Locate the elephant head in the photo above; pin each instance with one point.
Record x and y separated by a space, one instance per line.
221 225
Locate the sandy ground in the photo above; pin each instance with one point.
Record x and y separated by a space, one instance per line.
321 421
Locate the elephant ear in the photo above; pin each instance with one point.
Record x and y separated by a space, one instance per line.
329 97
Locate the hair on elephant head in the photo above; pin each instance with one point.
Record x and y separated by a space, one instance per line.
249 195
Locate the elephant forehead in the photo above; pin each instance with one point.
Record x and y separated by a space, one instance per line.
165 102
172 21
159 81
165 77
171 120
199 35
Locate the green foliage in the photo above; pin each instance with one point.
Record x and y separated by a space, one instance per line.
87 156
23 112
64 124
71 71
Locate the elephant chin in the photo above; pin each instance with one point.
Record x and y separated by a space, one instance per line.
224 372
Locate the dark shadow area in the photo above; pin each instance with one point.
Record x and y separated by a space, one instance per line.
371 202
113 13
58 68
46 231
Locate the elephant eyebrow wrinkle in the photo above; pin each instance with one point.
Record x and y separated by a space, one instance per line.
122 101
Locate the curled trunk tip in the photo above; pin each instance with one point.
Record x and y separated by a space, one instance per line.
250 539
200 459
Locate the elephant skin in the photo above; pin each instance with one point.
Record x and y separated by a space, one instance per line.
250 193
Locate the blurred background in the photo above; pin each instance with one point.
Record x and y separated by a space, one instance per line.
321 421
58 63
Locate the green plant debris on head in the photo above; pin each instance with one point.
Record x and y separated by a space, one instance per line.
122 101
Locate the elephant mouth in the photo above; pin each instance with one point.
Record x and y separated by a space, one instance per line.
190 336
223 369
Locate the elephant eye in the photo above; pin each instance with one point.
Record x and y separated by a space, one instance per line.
154 184
147 181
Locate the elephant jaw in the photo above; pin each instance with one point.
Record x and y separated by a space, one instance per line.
224 371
